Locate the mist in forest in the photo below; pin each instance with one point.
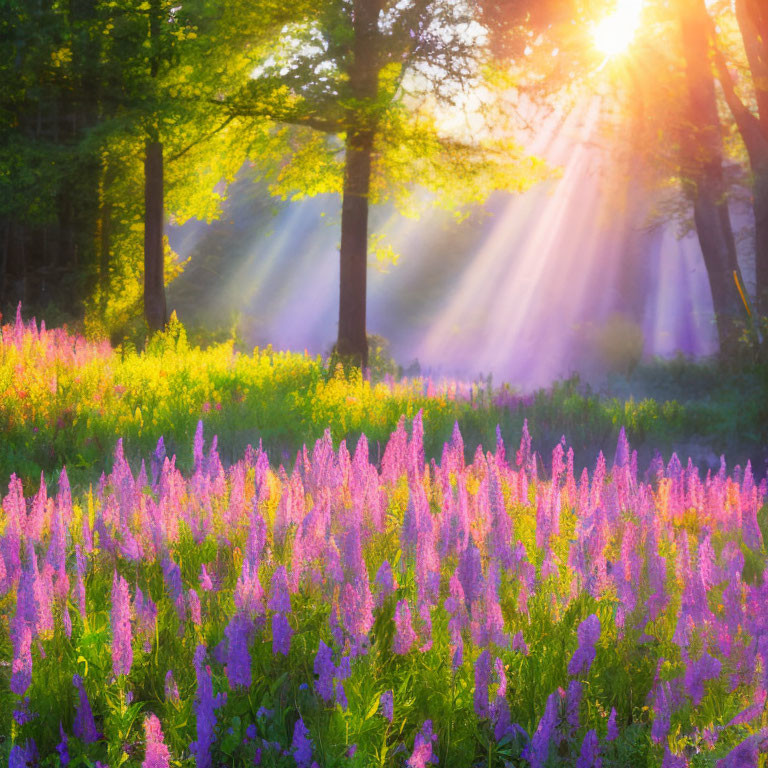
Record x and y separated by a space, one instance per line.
570 276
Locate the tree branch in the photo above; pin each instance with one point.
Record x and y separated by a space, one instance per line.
756 48
280 116
201 139
747 123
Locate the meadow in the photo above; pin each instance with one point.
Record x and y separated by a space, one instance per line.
65 401
360 602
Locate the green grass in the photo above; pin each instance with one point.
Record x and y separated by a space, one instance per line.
56 410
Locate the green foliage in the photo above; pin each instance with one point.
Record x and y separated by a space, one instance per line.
57 412
381 364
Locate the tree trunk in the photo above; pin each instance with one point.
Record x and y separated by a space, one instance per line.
713 227
154 272
760 207
752 17
105 235
4 260
702 160
81 219
352 342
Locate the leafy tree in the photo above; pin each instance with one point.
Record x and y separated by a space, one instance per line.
107 125
48 174
702 170
747 99
379 100
157 111
667 120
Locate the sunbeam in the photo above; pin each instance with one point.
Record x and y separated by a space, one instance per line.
523 294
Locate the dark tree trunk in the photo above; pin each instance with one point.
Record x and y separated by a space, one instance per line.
752 17
155 311
105 234
81 220
352 341
702 158
154 280
713 227
6 246
760 206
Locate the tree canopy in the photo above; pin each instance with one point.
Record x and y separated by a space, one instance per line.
117 116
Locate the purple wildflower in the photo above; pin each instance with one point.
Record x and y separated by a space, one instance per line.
205 705
238 633
455 603
661 712
63 747
385 581
249 593
146 618
423 748
197 446
538 750
357 608
572 706
21 666
673 761
519 644
157 754
301 746
470 573
387 705
85 725
325 671
280 598
206 584
501 677
23 715
613 731
404 635
523 455
588 634
281 634
171 689
24 755
194 607
746 754
488 621
482 681
122 653
590 752
501 718
706 667
341 695
172 578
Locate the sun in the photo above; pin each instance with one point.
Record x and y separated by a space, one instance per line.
614 34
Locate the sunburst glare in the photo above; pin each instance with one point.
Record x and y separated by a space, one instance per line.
615 33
